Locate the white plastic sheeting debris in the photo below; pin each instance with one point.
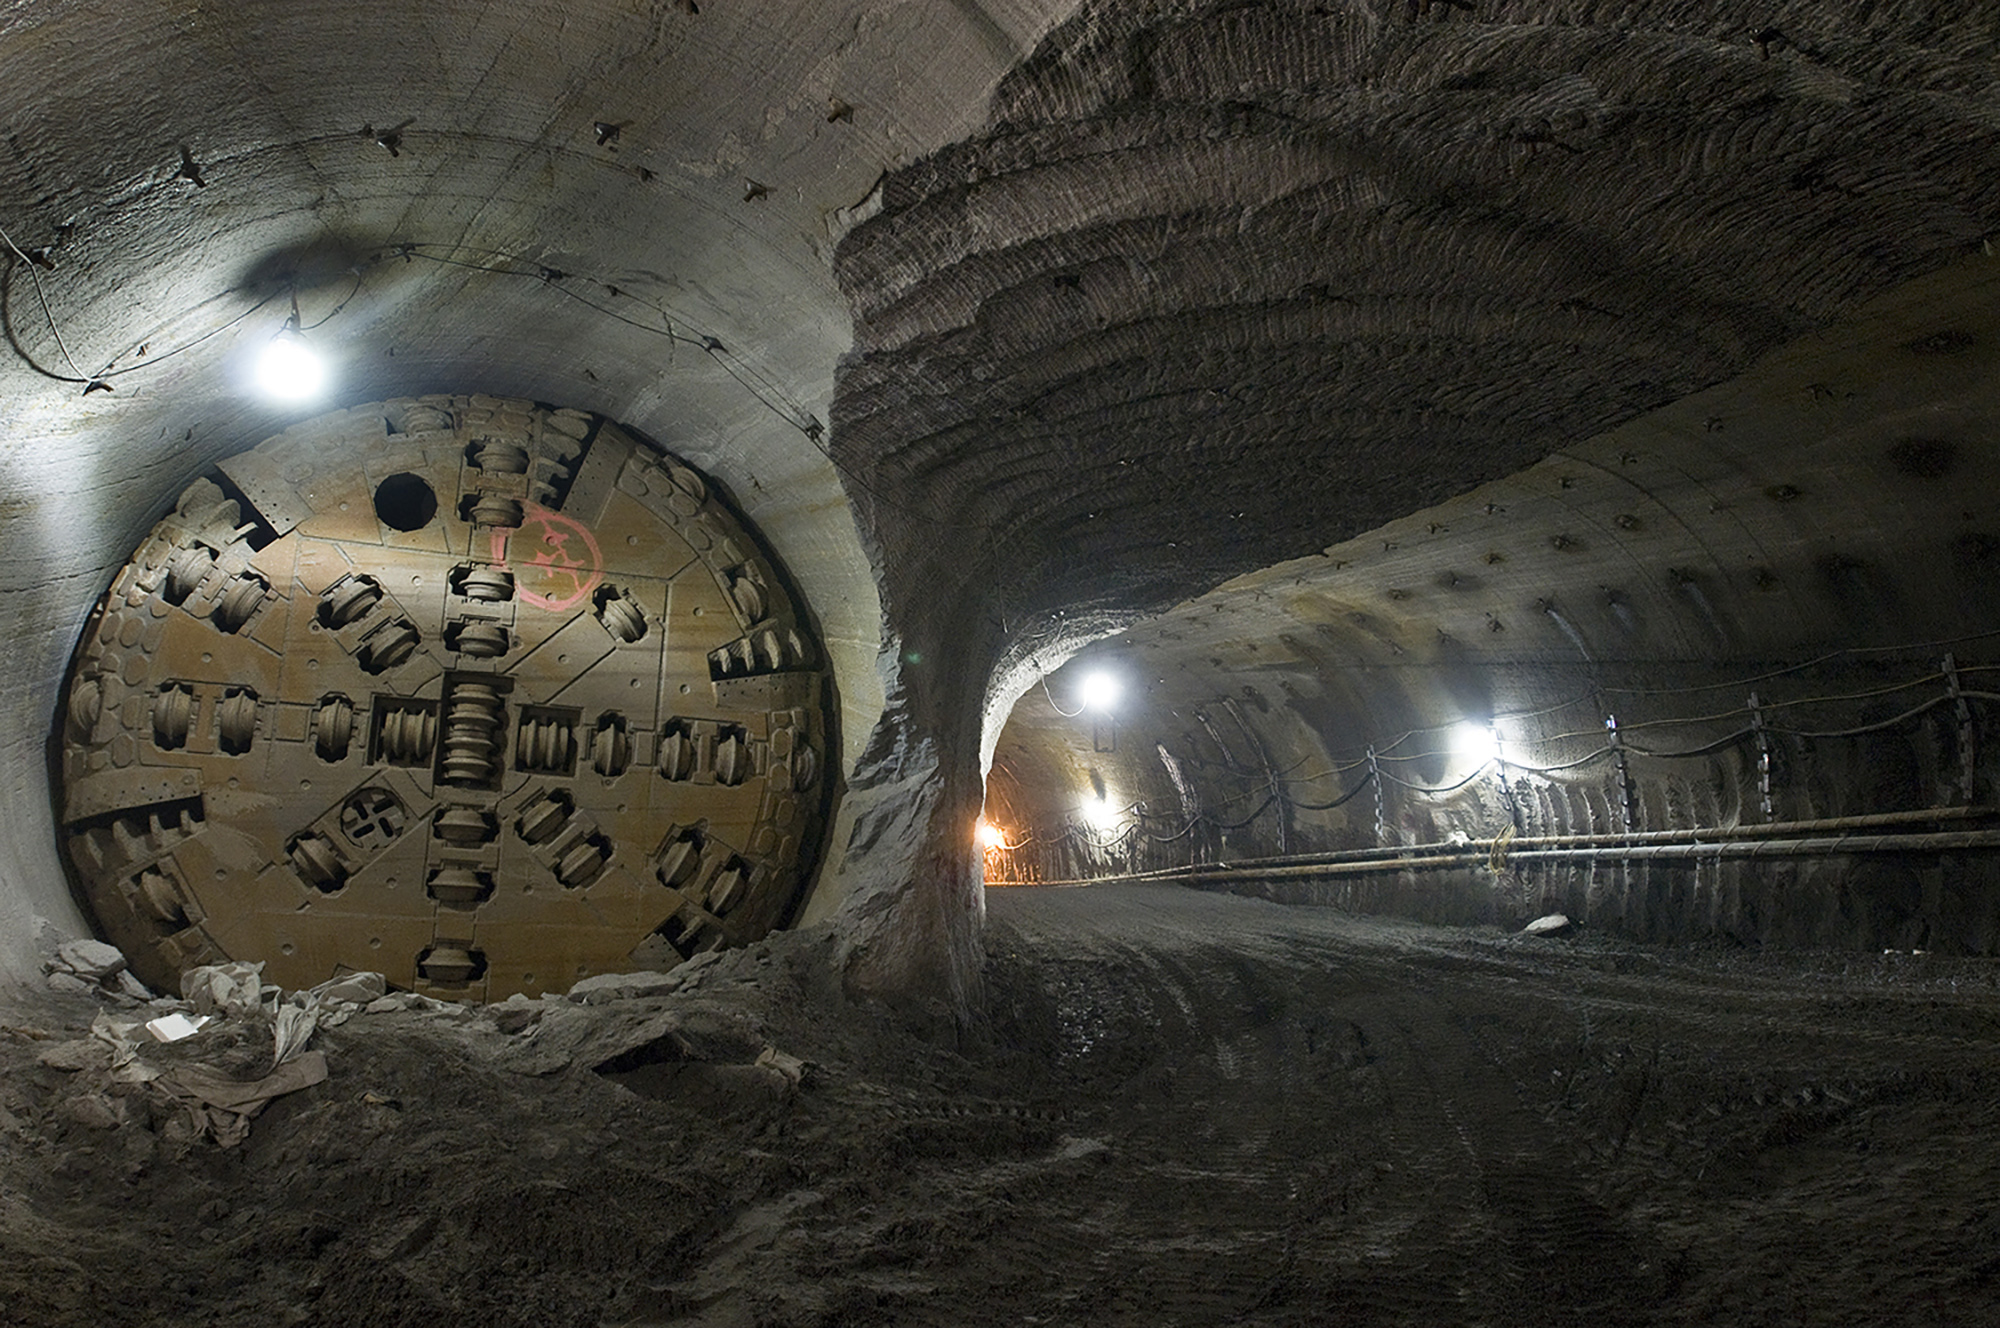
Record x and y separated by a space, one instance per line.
224 1107
216 996
236 989
359 988
174 1027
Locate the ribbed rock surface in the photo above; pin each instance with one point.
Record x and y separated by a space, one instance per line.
1225 283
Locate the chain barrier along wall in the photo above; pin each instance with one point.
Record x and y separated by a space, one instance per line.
478 694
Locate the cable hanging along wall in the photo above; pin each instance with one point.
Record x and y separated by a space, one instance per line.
1099 854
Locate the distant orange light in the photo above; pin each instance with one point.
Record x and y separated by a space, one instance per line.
990 836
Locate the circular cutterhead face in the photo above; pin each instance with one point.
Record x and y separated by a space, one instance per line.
479 695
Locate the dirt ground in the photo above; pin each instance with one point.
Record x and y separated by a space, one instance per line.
1178 1108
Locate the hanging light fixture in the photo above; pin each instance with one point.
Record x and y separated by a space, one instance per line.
1473 740
290 369
1102 814
1098 691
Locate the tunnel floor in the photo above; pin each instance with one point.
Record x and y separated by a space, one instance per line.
1179 1108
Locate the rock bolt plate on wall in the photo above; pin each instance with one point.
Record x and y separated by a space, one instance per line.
475 693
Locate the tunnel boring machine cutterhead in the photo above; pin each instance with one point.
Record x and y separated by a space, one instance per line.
482 695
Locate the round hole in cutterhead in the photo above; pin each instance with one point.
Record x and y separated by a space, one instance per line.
405 502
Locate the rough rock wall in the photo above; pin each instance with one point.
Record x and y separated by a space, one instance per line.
1225 283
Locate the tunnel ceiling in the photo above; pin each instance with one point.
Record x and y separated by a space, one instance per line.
1839 502
1224 283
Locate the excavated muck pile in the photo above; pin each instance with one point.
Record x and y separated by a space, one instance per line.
1172 1108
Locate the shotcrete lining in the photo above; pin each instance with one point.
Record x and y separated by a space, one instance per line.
325 127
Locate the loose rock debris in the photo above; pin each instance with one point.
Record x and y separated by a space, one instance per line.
89 966
1173 1108
255 1050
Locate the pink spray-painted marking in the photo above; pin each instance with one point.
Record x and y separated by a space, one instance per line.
548 574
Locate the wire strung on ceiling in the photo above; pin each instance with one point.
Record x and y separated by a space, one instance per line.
594 293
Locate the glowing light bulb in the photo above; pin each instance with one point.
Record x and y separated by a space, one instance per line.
290 369
1101 813
990 836
1098 691
1476 742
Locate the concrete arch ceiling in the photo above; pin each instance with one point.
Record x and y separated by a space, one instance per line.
684 168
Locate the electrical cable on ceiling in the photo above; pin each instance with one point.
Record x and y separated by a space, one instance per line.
1384 752
1284 776
1193 824
1245 796
1340 801
1809 664
101 380
1766 706
1560 766
1448 788
47 312
758 384
1066 714
1884 724
186 346
334 312
1262 807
